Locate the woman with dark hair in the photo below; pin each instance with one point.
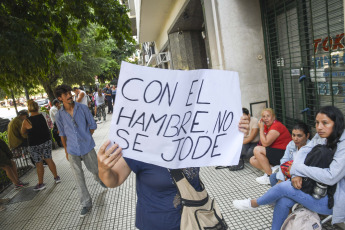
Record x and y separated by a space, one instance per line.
330 132
300 137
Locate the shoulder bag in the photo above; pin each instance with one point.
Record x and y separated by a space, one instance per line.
199 211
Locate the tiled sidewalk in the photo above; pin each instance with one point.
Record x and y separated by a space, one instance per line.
57 207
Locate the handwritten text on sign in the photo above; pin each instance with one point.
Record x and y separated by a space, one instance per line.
178 119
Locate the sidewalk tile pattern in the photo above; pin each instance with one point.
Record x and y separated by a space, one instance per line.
57 207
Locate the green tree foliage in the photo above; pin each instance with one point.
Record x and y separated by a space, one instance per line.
35 33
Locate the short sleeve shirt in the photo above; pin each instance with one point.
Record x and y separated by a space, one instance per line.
158 202
253 124
284 138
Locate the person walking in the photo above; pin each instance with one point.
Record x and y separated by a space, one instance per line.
76 126
40 143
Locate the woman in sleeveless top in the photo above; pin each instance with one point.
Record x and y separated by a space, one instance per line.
40 143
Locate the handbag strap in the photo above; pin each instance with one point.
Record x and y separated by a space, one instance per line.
189 195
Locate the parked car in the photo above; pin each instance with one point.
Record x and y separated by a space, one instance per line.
43 103
3 124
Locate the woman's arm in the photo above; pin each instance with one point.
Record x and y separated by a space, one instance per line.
251 136
25 126
113 169
329 176
267 140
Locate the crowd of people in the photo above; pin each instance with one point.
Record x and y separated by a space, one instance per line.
267 145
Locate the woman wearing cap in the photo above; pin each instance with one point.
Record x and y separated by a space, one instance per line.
40 143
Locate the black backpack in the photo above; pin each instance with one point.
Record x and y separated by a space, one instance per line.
320 156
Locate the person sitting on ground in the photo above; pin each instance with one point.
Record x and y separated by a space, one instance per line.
300 137
330 127
10 167
100 106
159 205
274 137
40 143
249 142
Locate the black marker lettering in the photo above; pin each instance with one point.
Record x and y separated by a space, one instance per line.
183 123
178 146
196 145
160 91
135 142
118 134
130 118
196 123
123 88
167 89
173 126
142 123
190 93
190 148
155 121
197 101
215 145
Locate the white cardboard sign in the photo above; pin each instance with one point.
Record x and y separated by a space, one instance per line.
176 118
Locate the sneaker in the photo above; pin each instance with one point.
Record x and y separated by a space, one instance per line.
57 180
265 179
84 211
20 185
39 187
275 169
98 122
243 205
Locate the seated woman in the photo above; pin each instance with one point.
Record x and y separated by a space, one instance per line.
300 137
274 137
330 132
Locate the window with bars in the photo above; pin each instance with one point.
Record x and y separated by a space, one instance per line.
305 53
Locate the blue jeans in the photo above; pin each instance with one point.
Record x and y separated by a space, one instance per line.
285 196
273 179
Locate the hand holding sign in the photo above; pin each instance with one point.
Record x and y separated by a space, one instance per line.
178 119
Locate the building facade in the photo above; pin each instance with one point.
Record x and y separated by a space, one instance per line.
289 53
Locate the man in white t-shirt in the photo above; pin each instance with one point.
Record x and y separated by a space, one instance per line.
81 96
249 141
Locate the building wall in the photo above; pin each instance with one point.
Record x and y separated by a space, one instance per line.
236 43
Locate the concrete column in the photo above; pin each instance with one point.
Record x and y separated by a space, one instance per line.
187 49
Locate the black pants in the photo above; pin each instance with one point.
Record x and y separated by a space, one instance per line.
56 135
110 105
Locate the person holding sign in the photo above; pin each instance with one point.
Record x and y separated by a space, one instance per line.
274 137
158 204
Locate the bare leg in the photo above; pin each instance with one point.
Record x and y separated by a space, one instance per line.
254 203
51 166
10 174
40 172
253 161
260 156
14 170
